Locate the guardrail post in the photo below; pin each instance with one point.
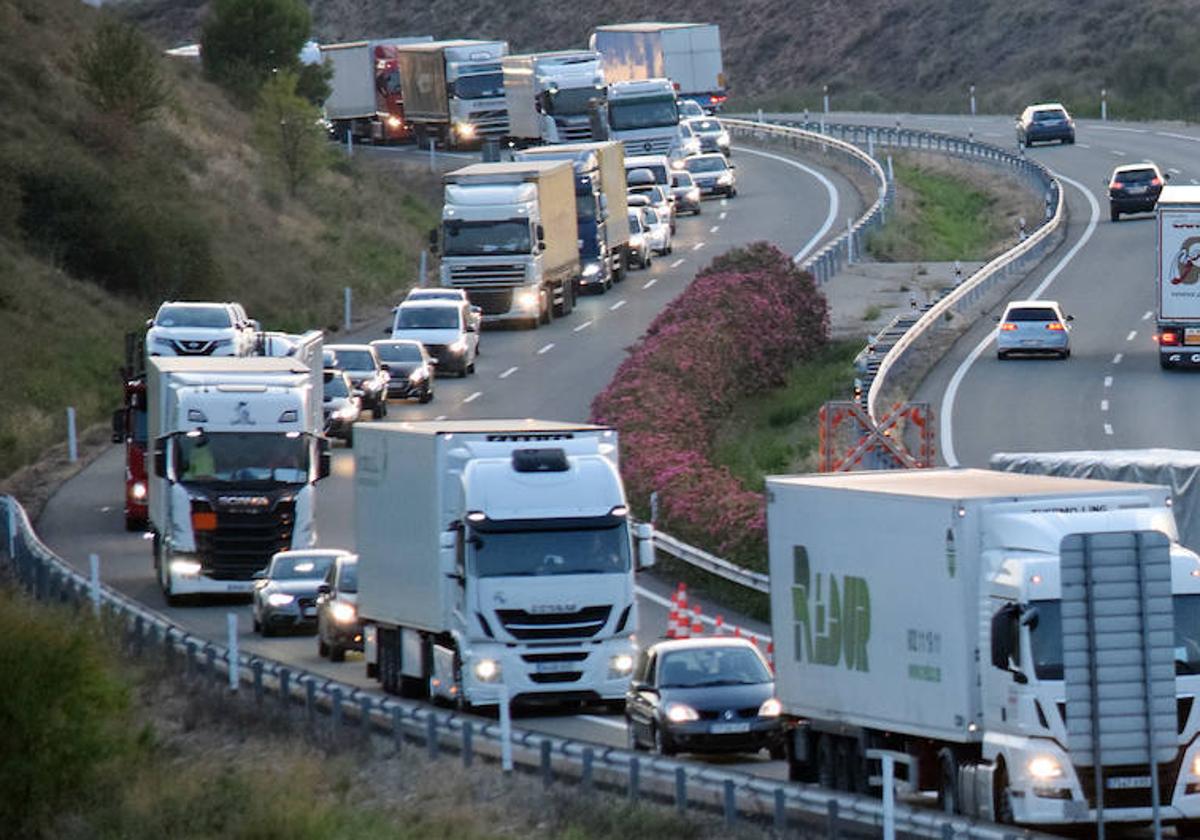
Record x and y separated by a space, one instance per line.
680 790
849 241
825 97
190 646
10 516
431 735
347 295
41 587
210 662
398 729
780 811
310 702
423 269
972 100
585 776
139 641
94 582
833 824
947 830
506 757
257 667
336 710
364 720
634 780
468 749
231 621
547 770
730 803
285 688
1104 104
72 442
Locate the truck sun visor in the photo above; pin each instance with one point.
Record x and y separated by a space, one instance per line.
540 460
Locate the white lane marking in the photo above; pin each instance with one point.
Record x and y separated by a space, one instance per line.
1083 145
582 326
678 262
509 372
612 723
1108 382
1117 358
650 282
1174 171
830 190
546 349
1115 128
947 424
725 201
697 246
1178 136
1104 405
723 215
1132 335
714 228
1149 314
439 418
1194 181
1108 428
617 305
1118 153
473 397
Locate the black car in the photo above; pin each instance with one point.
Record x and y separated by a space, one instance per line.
712 173
409 366
687 194
713 136
285 593
711 695
338 626
341 405
366 373
1134 188
1049 121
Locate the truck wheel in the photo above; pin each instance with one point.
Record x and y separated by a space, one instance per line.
426 397
800 771
622 267
948 799
337 653
777 752
164 580
567 303
1001 802
1187 828
845 775
826 750
544 316
322 648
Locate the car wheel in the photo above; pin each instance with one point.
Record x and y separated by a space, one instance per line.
427 396
337 653
697 210
381 408
350 436
1114 214
1065 354
267 629
1164 363
662 743
257 625
778 752
322 647
471 367
1028 143
632 741
649 261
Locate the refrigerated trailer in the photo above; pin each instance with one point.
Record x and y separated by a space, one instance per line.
1177 280
689 54
366 99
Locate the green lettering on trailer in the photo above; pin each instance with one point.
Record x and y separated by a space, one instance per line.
831 620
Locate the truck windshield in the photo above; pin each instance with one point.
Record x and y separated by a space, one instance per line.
550 552
481 86
571 101
1047 645
631 114
241 457
474 239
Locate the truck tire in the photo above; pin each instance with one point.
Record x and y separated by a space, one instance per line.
1001 802
826 759
622 267
567 303
800 771
1187 828
545 314
949 801
164 575
337 653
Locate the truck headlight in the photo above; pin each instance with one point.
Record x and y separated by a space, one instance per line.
527 299
280 599
464 130
681 713
620 665
1196 766
771 708
138 491
1044 767
185 568
343 613
487 670
394 122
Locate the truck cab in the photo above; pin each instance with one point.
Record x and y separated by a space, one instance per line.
644 116
551 96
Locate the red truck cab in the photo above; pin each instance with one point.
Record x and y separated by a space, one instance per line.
129 428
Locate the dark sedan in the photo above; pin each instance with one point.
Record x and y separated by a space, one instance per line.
1049 121
366 373
410 368
285 593
712 174
339 628
687 194
713 136
709 695
1134 188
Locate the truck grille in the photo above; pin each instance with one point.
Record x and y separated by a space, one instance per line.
492 301
491 123
1183 710
483 275
582 624
1131 797
576 133
647 146
243 542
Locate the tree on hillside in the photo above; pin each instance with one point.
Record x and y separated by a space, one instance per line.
288 133
244 41
123 74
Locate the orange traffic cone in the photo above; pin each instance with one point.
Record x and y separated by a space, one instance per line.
685 624
697 621
719 626
771 655
672 622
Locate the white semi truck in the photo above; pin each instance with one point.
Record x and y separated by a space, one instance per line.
644 116
508 238
237 449
689 54
1177 280
601 207
454 91
551 96
1027 646
366 99
496 553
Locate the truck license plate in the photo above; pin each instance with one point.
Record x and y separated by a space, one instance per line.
1191 336
555 667
239 587
729 728
1127 782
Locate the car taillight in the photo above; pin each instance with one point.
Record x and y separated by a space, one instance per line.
1008 326
1116 185
1156 182
1168 337
1054 325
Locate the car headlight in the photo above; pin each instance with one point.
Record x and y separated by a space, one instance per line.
465 130
185 567
725 179
459 345
343 613
138 491
1196 766
591 270
487 670
527 299
280 599
1044 767
677 163
417 375
394 122
771 708
635 240
165 342
345 413
693 194
681 713
620 665
723 138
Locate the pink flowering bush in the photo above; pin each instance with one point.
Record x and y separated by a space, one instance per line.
741 325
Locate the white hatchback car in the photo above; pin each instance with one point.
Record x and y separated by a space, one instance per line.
188 328
1033 326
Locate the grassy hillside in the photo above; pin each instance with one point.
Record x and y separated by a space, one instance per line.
886 54
99 223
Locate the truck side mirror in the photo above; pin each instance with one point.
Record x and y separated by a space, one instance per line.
160 458
118 426
541 235
433 240
450 556
643 534
1005 624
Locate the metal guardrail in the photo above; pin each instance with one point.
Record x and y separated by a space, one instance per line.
710 563
690 784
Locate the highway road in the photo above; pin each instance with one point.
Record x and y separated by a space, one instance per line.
549 373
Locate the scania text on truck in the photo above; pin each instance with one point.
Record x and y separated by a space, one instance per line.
508 238
496 553
600 207
689 54
366 99
237 450
645 117
551 96
1027 646
1178 277
454 91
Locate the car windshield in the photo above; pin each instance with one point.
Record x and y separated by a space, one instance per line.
572 100
348 578
427 318
681 180
716 665
209 317
305 567
550 552
706 126
690 108
399 352
482 86
635 223
475 239
347 359
1135 176
1031 313
241 457
335 386
644 112
1049 116
705 164
1187 634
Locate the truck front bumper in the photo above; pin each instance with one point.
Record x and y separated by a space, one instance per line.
517 303
568 672
186 581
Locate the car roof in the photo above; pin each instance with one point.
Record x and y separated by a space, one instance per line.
702 642
313 552
716 155
337 347
432 292
1132 167
381 341
443 303
1048 106
1036 304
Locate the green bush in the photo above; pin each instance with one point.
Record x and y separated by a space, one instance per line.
123 73
245 41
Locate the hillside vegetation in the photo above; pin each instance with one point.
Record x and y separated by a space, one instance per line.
882 55
101 220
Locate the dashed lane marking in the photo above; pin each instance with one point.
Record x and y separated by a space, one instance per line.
650 282
509 372
546 349
473 397
617 305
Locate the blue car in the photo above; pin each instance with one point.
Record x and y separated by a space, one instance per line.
1048 121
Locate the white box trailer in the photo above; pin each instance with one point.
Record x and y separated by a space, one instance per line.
689 54
366 99
943 616
1177 281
